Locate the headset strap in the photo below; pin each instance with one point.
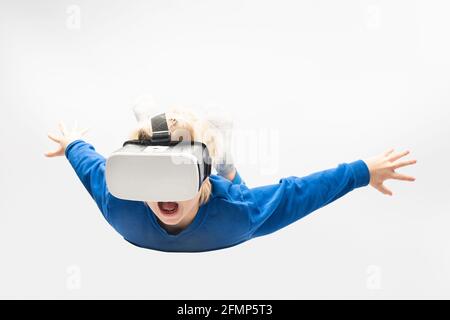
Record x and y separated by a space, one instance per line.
160 130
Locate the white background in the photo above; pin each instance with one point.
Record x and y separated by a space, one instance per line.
338 80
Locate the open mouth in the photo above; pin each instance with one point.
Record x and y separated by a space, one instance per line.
168 208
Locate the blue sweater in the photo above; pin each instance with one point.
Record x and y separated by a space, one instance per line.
233 214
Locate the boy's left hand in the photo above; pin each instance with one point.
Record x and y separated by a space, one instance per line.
66 138
383 166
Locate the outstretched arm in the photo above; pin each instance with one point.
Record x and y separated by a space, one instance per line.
279 205
87 163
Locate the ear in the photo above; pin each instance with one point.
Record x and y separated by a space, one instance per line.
145 107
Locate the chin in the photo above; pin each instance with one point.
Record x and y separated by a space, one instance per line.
170 221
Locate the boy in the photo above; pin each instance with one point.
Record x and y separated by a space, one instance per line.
225 212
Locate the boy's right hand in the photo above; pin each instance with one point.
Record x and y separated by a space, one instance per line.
66 138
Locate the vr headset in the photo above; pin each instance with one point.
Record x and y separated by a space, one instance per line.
158 169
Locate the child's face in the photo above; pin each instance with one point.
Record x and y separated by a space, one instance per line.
176 214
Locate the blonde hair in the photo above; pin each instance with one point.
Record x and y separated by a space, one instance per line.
185 124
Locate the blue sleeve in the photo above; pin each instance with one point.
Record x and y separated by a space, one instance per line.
277 206
90 168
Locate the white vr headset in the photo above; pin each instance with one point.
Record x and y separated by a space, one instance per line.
158 169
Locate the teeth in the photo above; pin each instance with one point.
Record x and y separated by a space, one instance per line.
168 207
